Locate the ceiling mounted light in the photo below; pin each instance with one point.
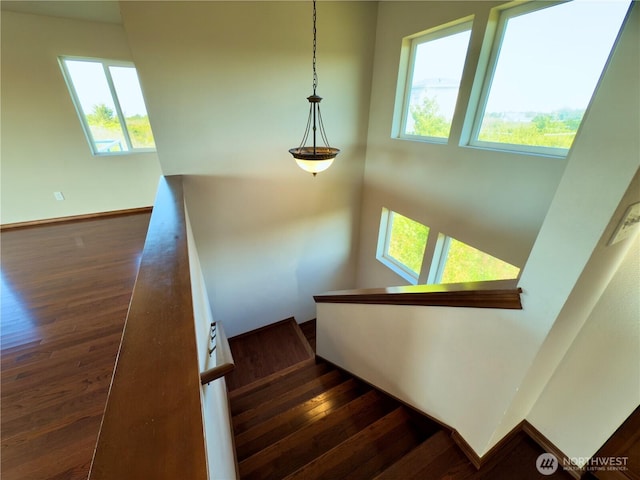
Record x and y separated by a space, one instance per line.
314 158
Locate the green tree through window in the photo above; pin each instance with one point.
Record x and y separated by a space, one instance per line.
402 245
109 101
538 87
407 242
434 72
428 120
467 264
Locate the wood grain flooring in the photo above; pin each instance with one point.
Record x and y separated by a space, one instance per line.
267 351
65 293
313 421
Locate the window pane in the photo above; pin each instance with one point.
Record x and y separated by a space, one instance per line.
407 242
125 81
96 102
437 70
549 63
467 264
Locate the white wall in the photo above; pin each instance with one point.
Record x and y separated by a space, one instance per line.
495 201
458 365
597 385
603 162
221 460
596 336
482 372
227 84
43 146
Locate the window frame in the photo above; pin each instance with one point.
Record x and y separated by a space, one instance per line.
405 81
106 64
439 260
475 86
494 38
435 255
505 13
382 250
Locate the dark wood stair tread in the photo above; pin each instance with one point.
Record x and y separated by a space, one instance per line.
372 436
274 386
268 432
276 404
437 457
302 446
366 453
287 348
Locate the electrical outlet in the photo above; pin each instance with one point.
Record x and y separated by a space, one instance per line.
58 195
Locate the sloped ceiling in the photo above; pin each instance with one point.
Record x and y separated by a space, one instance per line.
96 11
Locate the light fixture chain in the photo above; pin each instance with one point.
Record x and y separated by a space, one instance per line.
314 158
315 75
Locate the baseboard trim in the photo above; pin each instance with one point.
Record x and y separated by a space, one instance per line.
74 218
495 453
469 452
399 400
264 327
549 447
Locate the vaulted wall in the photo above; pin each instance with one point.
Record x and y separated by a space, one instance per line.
44 149
493 200
552 216
226 86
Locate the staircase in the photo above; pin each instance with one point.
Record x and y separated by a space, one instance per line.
319 422
296 416
316 421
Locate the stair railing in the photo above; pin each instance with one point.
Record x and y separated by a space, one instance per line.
503 294
218 346
416 343
160 420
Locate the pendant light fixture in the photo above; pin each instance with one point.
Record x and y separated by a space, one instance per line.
314 158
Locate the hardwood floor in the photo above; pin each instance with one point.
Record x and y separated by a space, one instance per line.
65 293
254 361
315 421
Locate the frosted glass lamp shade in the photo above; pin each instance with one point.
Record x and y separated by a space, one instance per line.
314 166
314 160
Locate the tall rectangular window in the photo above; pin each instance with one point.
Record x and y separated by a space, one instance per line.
109 102
435 68
545 64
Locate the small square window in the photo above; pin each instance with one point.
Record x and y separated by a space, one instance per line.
402 244
435 69
544 67
109 102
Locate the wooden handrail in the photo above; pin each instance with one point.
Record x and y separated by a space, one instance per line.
224 358
216 372
153 425
495 294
